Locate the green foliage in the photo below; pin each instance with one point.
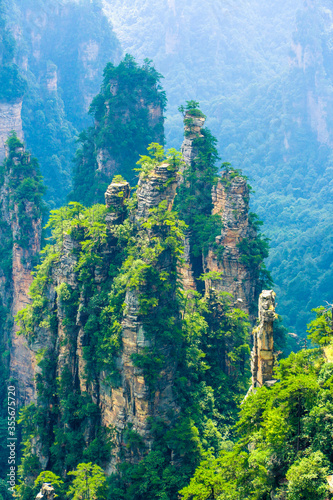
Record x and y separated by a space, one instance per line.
204 339
124 127
61 76
53 479
194 201
191 108
154 477
321 329
24 190
283 445
308 478
50 134
89 482
258 108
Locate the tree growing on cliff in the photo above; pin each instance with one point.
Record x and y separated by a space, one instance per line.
128 114
89 482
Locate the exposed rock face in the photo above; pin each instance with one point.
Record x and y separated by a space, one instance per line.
160 185
109 161
25 248
192 131
262 359
105 163
130 401
186 270
47 492
10 119
133 402
231 201
116 196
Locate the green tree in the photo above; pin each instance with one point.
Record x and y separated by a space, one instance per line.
89 483
307 478
320 329
54 480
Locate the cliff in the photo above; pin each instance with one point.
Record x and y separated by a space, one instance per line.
262 362
21 212
101 358
10 119
240 270
128 116
50 70
232 250
129 356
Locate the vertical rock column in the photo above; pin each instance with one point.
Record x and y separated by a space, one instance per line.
231 201
192 130
132 403
262 361
10 119
22 215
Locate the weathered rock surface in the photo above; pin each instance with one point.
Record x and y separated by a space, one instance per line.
22 359
47 492
109 161
10 119
230 198
130 401
158 186
231 201
192 131
262 356
133 402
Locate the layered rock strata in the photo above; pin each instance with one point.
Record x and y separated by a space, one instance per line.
130 401
134 402
262 356
192 128
231 201
26 242
10 120
47 492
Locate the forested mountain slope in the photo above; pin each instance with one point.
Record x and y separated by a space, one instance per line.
60 51
262 73
137 371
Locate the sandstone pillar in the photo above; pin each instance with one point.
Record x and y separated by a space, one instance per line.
262 361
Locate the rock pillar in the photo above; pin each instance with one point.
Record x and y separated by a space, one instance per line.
262 361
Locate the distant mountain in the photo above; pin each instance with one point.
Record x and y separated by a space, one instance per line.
61 49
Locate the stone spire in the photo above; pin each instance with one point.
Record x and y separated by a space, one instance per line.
262 361
192 125
115 198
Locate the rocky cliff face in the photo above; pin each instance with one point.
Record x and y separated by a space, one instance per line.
193 125
45 34
21 229
231 201
123 396
10 119
262 362
54 74
135 401
128 115
228 260
122 116
106 313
